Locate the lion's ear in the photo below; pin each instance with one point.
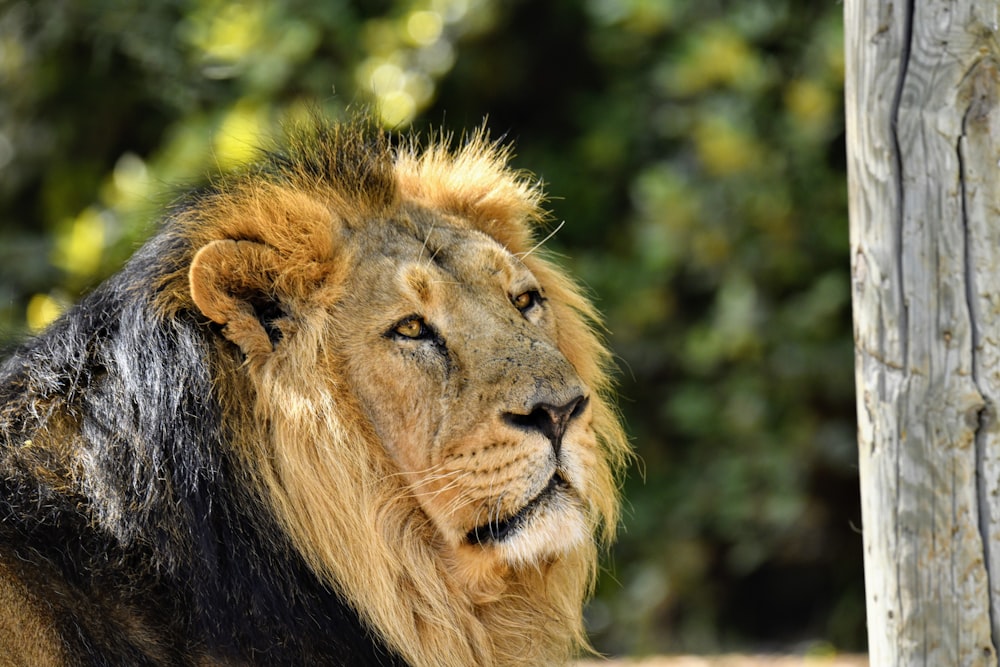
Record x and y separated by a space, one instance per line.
233 284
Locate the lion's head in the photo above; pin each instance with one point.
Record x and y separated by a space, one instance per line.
364 344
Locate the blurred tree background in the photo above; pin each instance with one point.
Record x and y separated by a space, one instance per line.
694 149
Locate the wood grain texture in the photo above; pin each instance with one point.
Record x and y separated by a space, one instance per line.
924 186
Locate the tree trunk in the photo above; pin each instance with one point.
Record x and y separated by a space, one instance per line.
923 128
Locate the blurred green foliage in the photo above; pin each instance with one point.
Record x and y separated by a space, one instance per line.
695 151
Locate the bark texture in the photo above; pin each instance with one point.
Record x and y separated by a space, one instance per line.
923 126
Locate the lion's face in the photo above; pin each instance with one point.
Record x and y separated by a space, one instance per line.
452 351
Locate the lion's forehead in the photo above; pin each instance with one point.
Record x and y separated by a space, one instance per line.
424 258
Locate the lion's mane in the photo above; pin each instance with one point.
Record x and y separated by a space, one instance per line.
169 498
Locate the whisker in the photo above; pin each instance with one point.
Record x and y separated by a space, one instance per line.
436 492
454 478
538 245
430 470
435 252
424 246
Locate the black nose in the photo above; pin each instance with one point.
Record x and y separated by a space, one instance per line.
550 420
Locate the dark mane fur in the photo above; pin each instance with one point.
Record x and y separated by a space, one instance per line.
157 551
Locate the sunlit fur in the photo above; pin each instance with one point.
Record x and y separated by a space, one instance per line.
295 392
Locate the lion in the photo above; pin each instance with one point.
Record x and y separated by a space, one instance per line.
341 409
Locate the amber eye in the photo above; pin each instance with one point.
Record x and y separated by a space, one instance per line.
526 300
411 327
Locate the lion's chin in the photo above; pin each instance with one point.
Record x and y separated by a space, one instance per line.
550 523
555 528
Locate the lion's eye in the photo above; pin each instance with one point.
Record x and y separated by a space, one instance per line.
412 327
525 300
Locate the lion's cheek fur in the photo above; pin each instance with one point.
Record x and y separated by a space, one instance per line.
384 556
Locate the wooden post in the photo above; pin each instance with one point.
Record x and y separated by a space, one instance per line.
923 129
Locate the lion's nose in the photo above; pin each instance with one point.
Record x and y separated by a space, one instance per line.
550 420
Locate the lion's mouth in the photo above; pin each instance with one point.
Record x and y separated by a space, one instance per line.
499 530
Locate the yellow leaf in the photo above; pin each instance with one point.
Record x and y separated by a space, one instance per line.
42 311
78 250
238 138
